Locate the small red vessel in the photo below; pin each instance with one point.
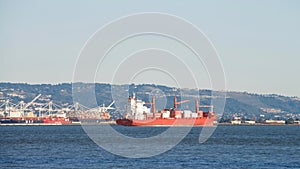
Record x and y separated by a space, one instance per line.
57 120
138 115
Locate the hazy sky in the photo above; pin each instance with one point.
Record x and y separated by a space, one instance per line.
258 41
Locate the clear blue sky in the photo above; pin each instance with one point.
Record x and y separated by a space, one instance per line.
258 41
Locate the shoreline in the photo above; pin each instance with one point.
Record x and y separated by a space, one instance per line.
54 124
256 124
113 123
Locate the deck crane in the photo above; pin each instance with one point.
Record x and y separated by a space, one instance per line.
200 113
176 103
152 103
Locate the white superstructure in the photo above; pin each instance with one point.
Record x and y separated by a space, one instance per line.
136 108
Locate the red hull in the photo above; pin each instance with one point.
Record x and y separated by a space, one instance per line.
57 121
168 122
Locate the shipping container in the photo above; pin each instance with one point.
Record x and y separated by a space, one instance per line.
187 114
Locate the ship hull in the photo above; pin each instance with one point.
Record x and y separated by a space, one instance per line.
167 122
57 121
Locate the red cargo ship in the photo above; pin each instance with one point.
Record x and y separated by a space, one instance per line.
138 116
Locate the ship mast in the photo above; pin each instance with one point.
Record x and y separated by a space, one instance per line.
197 106
152 106
176 103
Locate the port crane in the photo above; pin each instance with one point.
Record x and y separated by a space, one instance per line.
104 114
103 109
32 101
8 107
17 109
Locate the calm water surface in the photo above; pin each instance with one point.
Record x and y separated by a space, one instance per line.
229 147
